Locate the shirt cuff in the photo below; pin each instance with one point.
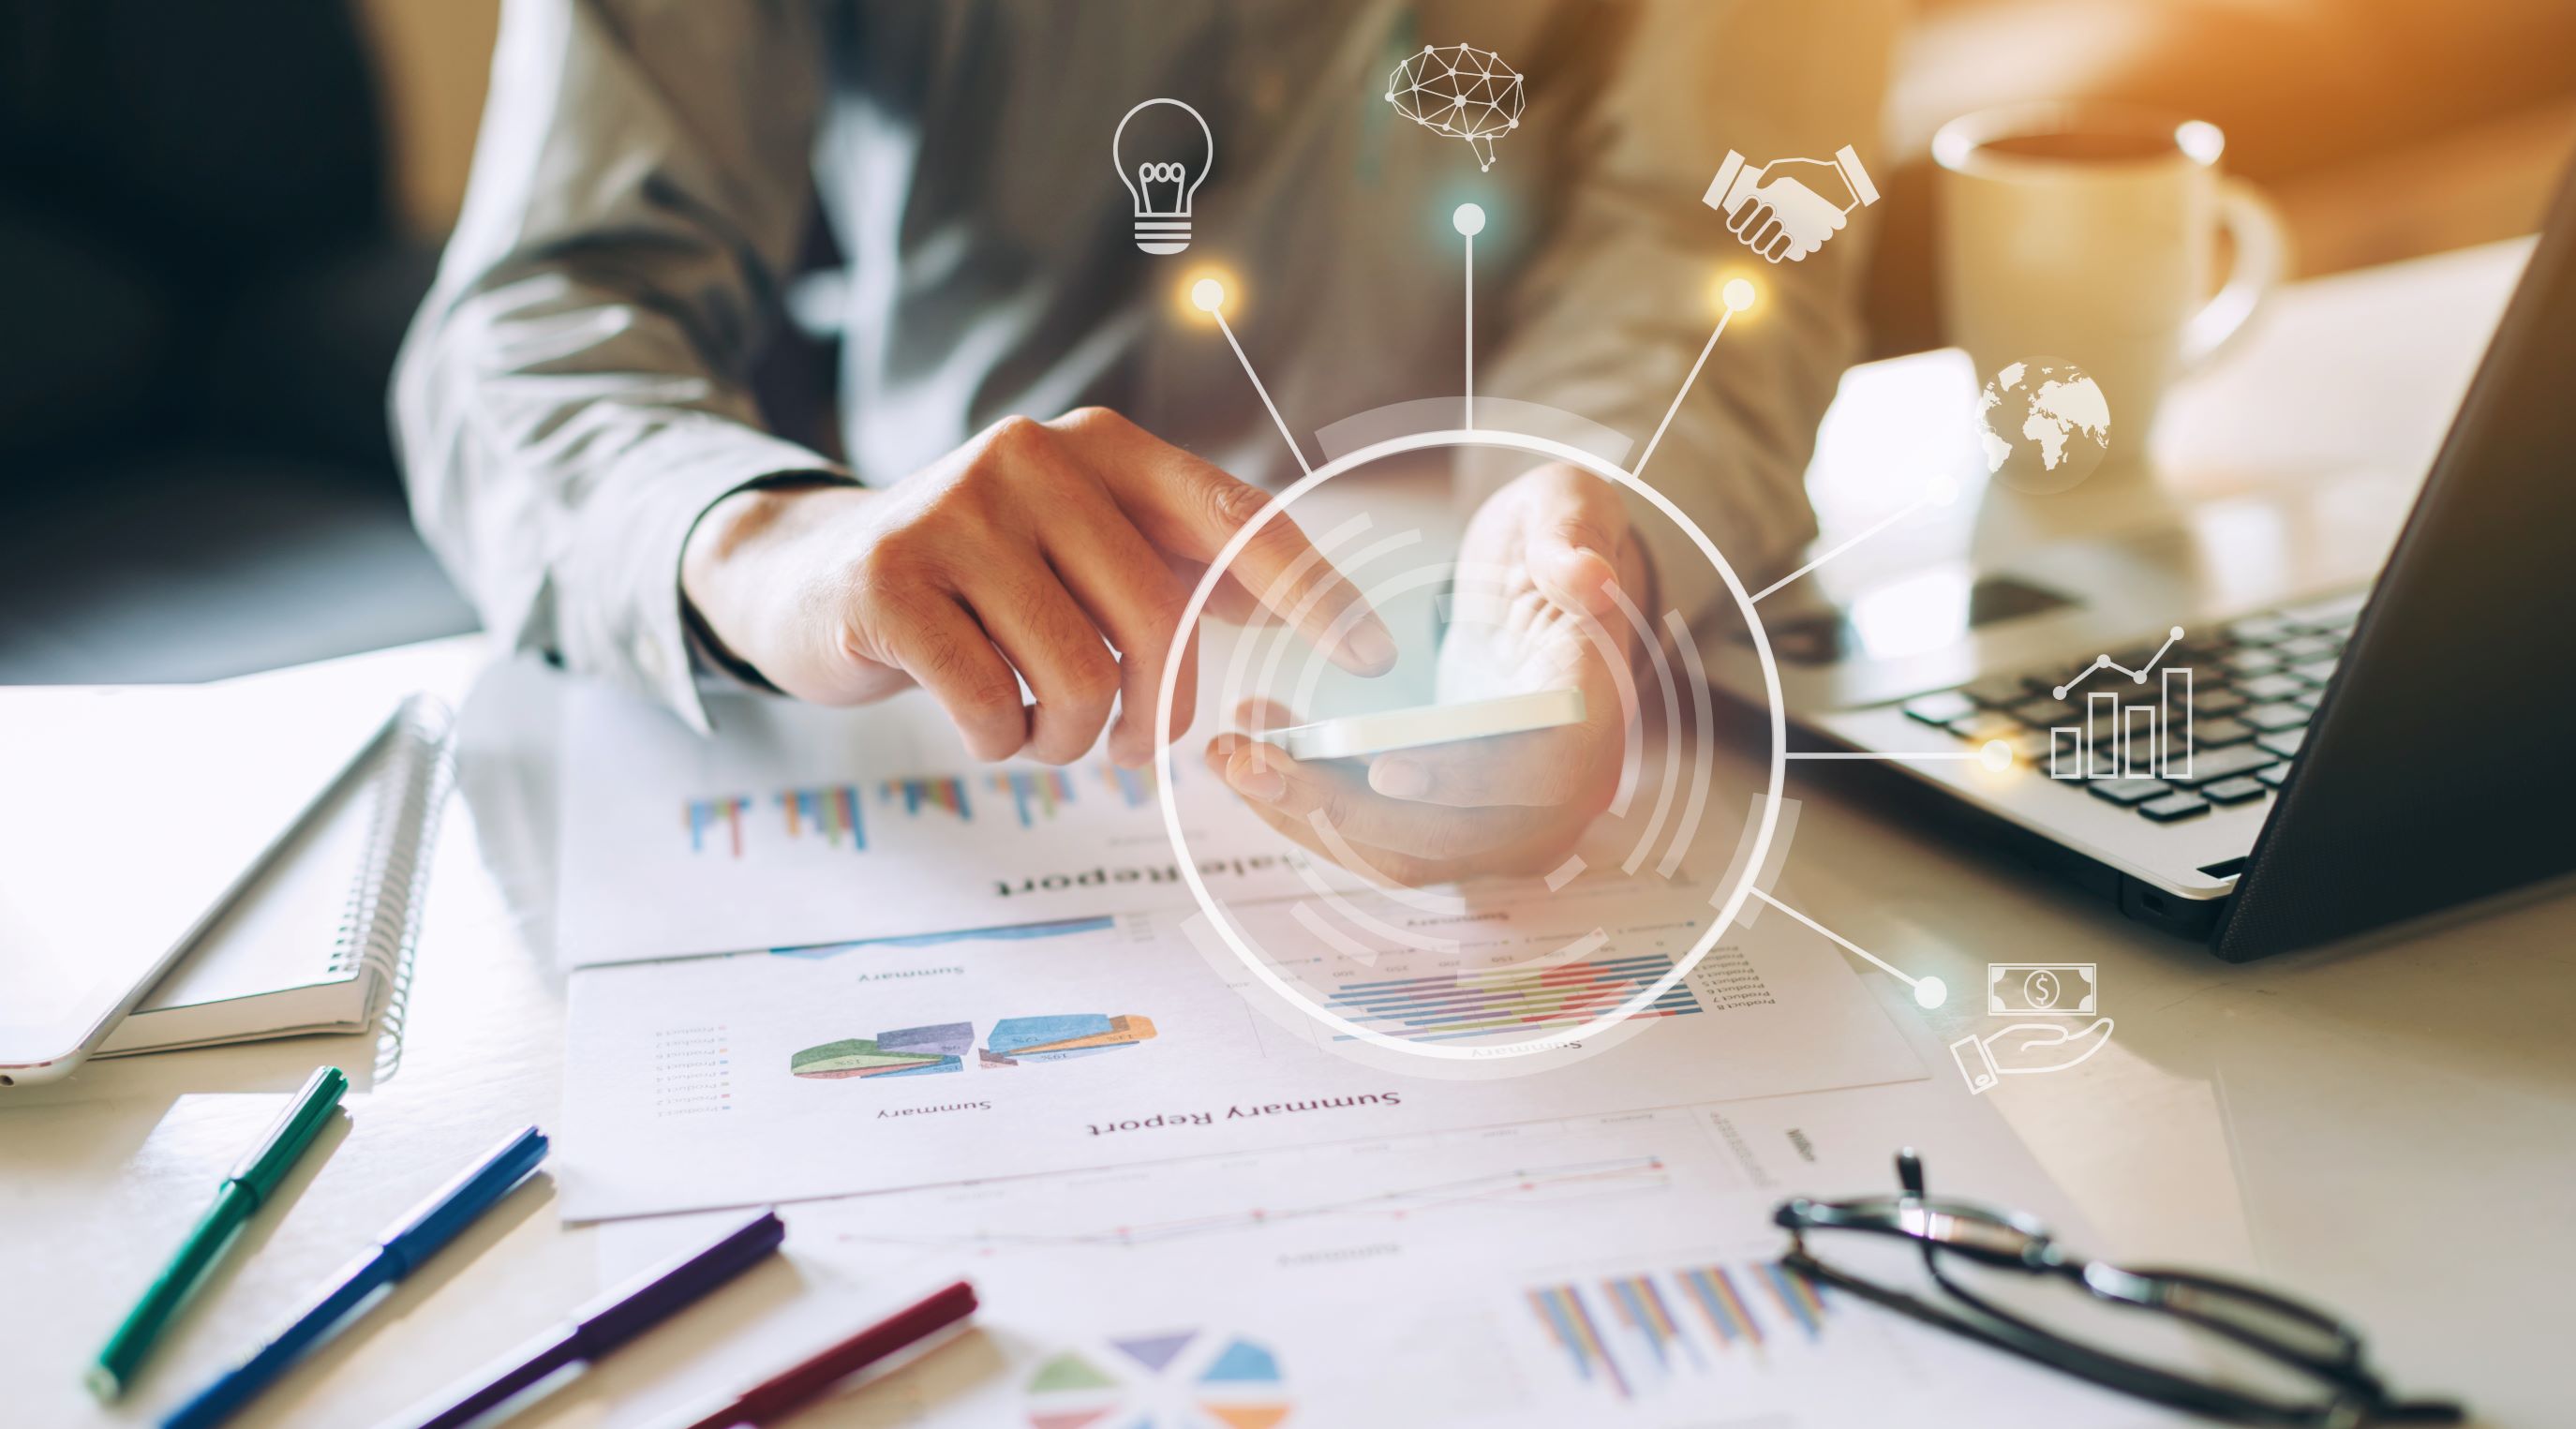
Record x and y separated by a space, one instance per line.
713 669
619 603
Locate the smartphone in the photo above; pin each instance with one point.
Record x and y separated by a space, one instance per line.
1358 735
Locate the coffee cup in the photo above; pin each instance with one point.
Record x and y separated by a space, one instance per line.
2079 240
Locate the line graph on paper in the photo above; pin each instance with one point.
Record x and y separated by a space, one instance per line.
1544 1189
2117 739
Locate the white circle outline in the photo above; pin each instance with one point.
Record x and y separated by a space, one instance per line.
1454 438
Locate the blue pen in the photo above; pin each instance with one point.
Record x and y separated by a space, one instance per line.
414 1239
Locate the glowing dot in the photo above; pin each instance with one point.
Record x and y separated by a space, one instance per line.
1207 295
2057 694
1996 755
1469 219
1931 991
1737 295
2176 632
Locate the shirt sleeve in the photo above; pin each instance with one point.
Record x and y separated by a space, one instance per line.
1618 302
573 394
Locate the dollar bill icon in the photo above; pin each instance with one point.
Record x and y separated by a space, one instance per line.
2042 989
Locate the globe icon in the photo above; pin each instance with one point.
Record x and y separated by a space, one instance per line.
2044 424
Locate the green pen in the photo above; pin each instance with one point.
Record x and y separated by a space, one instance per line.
253 1180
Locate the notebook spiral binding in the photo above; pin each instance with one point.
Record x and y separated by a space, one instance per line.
381 921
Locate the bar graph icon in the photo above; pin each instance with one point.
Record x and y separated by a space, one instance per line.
2122 736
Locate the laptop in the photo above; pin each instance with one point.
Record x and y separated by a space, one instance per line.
2355 749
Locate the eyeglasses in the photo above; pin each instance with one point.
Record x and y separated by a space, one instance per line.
1964 1240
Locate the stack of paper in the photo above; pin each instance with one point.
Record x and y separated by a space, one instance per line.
824 955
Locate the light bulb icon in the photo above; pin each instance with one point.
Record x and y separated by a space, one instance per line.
1163 177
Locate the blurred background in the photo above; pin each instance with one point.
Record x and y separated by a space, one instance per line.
216 219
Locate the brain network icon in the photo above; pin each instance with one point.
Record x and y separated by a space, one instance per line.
1461 91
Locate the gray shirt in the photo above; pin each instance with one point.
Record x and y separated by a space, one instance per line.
573 395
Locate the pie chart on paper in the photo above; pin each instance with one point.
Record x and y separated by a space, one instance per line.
1180 1379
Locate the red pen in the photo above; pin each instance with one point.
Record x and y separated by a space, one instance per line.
792 1389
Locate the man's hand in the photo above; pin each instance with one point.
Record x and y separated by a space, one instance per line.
1057 553
1535 608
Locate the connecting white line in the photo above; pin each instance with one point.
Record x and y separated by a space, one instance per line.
1470 422
1639 470
1281 422
1843 754
1929 991
1900 514
1469 220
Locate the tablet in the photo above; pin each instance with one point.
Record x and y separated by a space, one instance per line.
1357 735
134 813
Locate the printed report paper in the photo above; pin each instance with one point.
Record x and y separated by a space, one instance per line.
797 824
764 1077
1596 1270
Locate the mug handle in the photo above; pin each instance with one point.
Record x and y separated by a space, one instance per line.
2262 260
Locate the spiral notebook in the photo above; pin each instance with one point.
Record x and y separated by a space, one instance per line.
321 940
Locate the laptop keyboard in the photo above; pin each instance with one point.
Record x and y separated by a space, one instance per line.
2256 683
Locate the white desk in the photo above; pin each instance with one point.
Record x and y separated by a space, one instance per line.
2389 1129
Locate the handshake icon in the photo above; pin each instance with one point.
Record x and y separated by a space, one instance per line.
1789 207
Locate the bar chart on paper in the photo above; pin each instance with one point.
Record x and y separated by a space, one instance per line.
1034 793
1629 1335
829 813
715 823
943 792
1134 787
808 825
739 825
2120 737
1446 1006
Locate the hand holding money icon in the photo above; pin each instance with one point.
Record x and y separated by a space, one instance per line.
2024 1047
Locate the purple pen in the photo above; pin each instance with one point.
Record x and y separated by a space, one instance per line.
607 1323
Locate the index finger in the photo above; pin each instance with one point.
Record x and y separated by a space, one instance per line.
1191 509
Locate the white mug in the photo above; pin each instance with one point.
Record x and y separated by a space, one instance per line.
2086 234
